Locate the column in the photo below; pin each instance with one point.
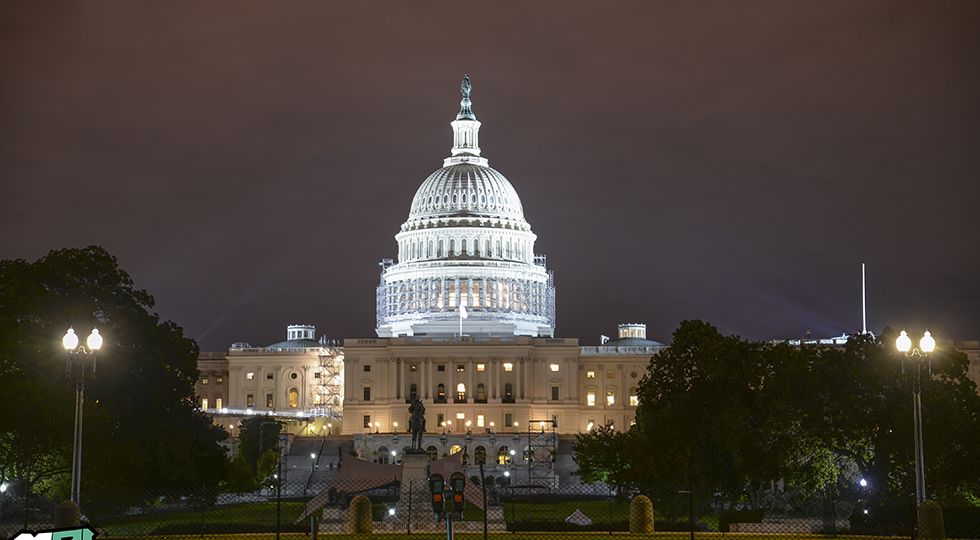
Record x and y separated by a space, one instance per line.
496 377
527 378
403 387
470 389
428 376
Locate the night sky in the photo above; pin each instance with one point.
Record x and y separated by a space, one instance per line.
250 162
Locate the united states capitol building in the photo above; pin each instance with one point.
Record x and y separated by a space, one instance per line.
465 322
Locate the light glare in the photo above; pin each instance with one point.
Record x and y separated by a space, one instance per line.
903 343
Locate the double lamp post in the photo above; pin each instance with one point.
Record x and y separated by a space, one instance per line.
78 365
917 356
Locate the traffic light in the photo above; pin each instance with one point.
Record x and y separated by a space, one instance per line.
457 482
437 487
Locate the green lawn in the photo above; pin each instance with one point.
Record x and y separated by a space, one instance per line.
598 511
244 517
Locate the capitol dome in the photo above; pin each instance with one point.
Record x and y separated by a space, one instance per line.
466 261
466 189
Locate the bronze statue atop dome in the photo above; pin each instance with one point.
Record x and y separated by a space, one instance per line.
466 87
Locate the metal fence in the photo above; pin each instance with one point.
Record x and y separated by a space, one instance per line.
301 508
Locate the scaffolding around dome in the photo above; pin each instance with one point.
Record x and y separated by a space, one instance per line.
466 244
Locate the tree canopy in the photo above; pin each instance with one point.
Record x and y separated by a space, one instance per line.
141 429
813 420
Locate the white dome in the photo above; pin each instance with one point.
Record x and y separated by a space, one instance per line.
466 260
466 189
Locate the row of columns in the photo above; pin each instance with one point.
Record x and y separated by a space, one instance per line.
522 296
398 377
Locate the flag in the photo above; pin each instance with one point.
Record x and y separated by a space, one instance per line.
462 312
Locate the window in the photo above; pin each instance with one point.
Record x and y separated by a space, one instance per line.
268 376
455 449
508 419
480 455
367 420
316 375
611 398
441 367
479 420
554 421
293 375
610 375
440 419
481 367
508 366
460 416
460 368
367 368
219 379
413 368
441 393
413 392
204 404
217 403
554 367
204 380
293 398
268 401
590 374
432 452
634 398
250 375
554 393
503 455
509 392
367 393
249 400
460 393
590 425
590 399
481 392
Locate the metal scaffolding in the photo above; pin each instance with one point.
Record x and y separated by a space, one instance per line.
540 454
330 390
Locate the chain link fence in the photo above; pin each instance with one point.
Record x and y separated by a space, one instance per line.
302 508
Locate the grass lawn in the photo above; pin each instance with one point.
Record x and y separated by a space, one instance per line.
598 511
242 517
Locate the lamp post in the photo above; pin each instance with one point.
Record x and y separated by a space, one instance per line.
916 355
77 356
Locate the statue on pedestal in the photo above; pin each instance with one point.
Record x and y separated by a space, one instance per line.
416 422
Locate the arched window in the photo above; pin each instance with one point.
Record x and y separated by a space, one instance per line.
480 455
503 456
498 248
462 248
428 250
455 449
528 454
460 393
413 391
481 392
293 398
452 246
508 392
486 250
439 249
432 452
384 455
441 393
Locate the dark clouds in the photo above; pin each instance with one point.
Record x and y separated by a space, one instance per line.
249 163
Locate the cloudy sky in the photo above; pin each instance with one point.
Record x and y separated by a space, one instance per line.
250 162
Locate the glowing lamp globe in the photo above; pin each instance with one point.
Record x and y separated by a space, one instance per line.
904 343
70 341
94 340
927 344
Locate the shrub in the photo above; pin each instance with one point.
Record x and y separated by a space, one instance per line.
738 516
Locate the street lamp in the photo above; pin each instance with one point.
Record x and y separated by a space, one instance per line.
77 354
915 355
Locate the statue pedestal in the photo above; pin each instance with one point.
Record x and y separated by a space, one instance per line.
413 498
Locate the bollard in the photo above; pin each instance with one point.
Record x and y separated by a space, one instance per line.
359 515
66 515
931 521
641 515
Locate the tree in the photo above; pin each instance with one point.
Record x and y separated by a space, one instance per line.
142 431
241 479
602 456
744 416
256 436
